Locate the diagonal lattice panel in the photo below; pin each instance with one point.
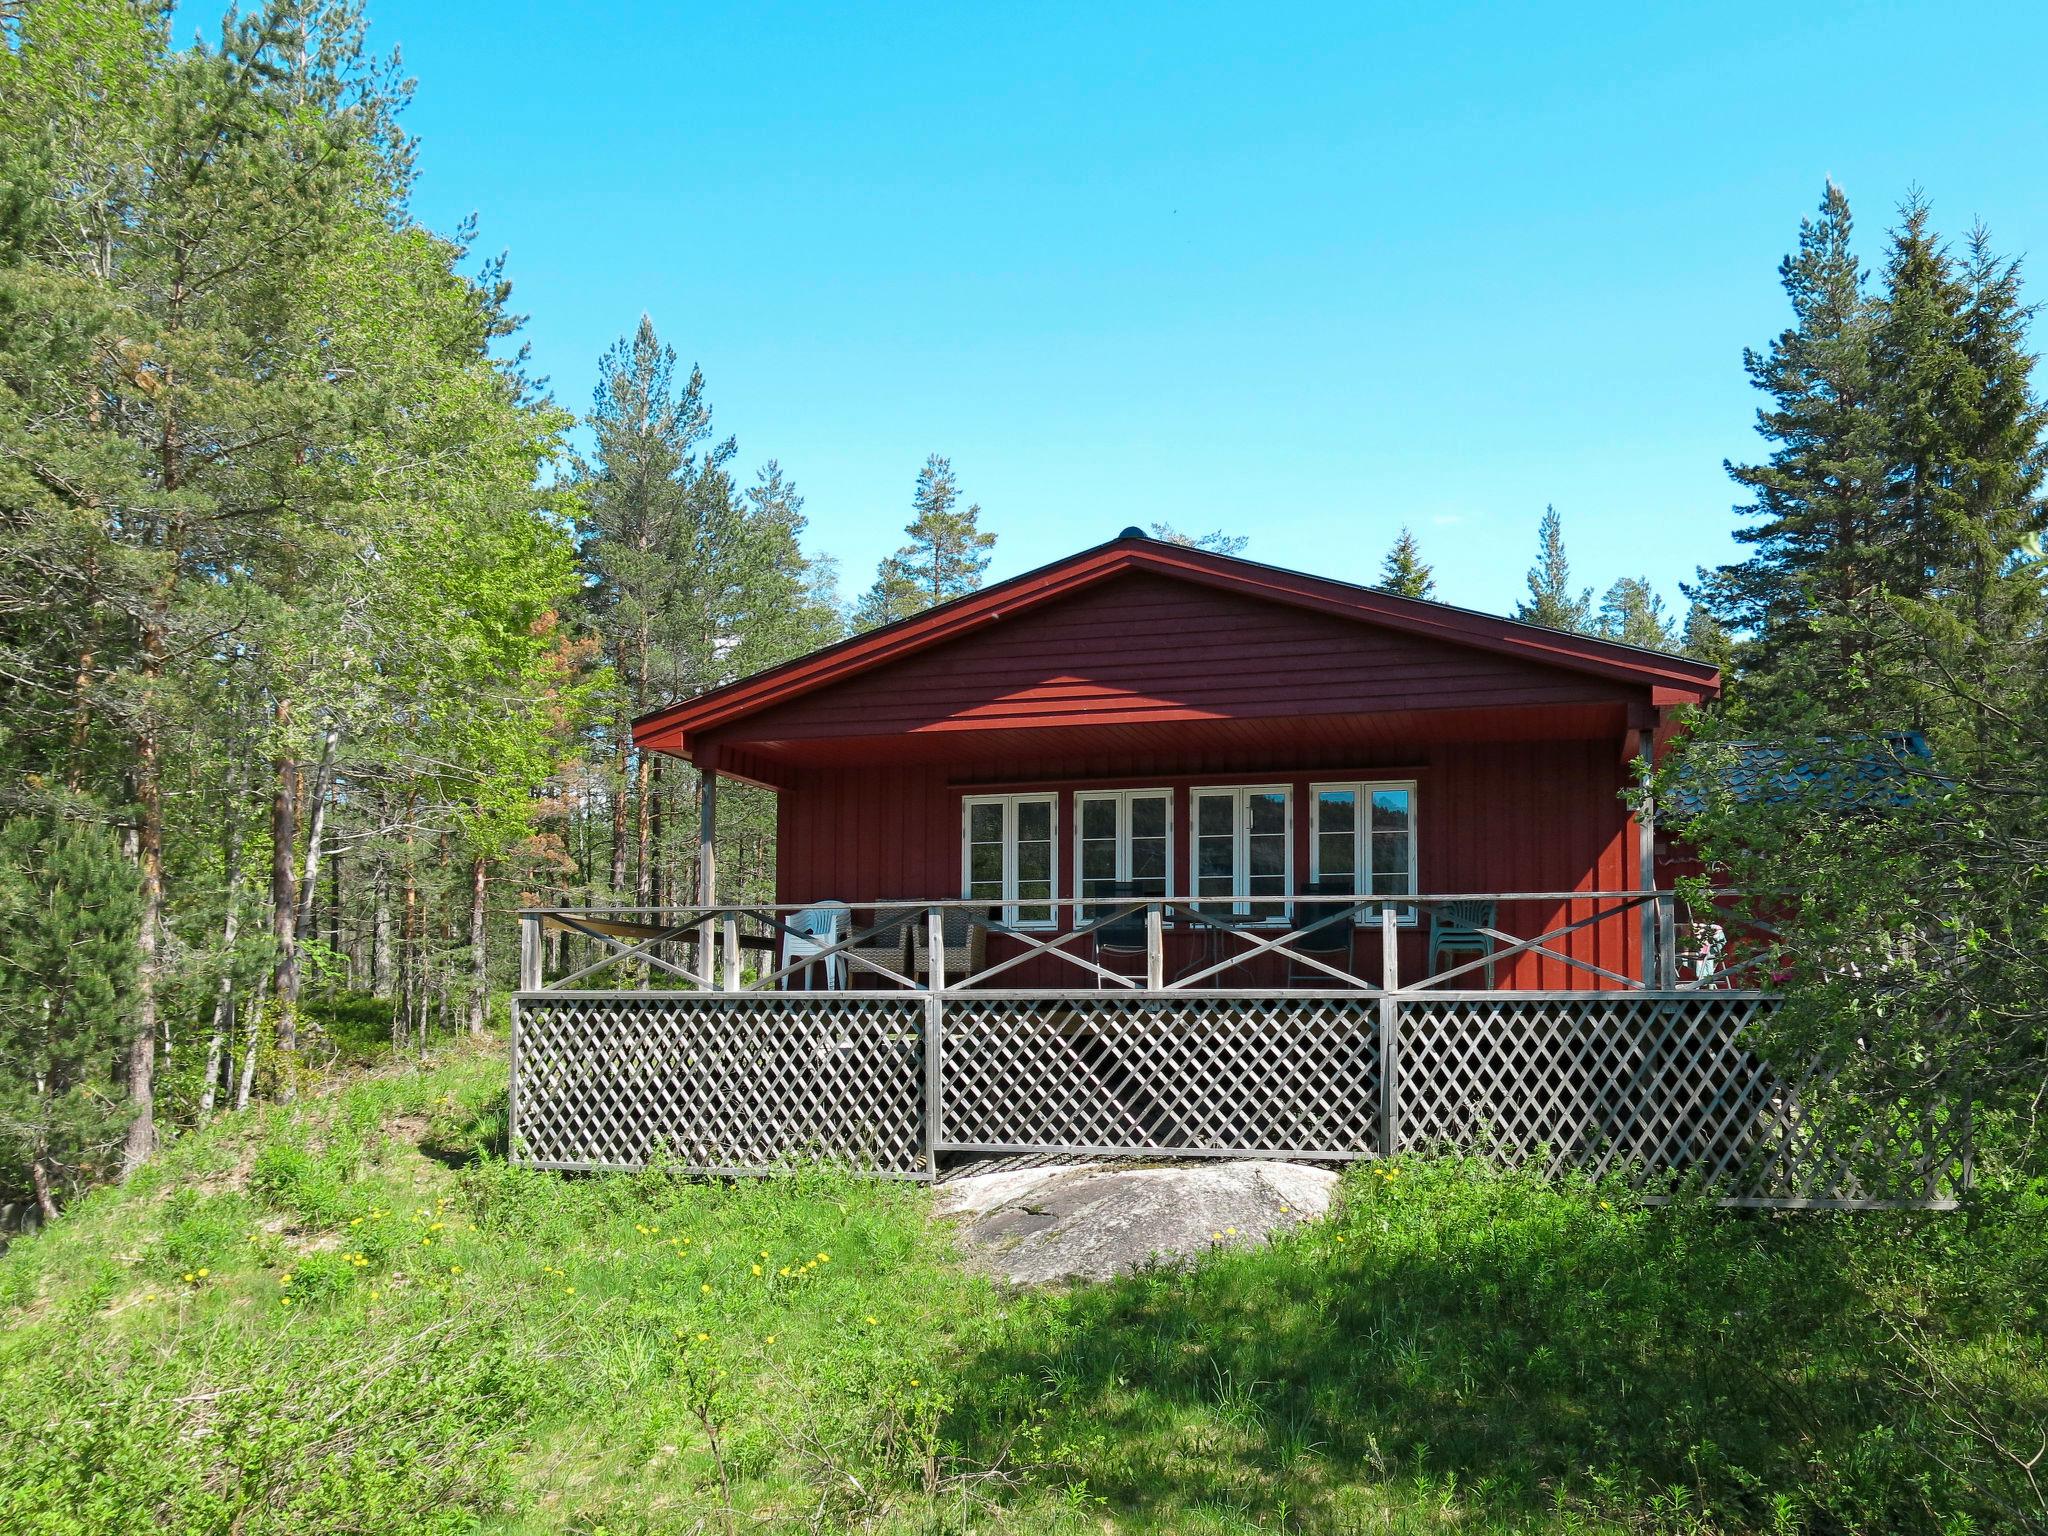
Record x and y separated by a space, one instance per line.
726 1082
1216 1075
1601 1081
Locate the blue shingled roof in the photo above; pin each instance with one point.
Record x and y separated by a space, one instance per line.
1864 772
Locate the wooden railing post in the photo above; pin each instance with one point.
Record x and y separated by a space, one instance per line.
531 976
731 927
1390 1030
934 1033
1155 950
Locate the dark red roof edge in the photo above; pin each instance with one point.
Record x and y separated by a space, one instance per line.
669 726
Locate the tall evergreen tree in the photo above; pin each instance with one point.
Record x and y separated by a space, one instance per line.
1706 639
1817 502
1403 572
1551 601
944 559
1633 613
1216 541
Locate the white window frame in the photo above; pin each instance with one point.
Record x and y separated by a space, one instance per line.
1361 842
1009 803
1122 799
1270 914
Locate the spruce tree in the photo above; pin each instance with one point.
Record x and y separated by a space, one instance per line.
1551 601
1633 613
944 559
70 907
1403 572
1817 502
1216 541
1705 639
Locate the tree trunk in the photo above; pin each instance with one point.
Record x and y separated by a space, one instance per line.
39 1176
284 885
224 997
621 800
323 786
140 1141
248 1082
643 832
479 974
380 931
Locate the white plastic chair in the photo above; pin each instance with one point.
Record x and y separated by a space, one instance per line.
817 927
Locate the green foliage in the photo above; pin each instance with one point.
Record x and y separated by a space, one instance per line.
1633 613
1216 541
944 559
68 914
1551 601
1403 572
297 1321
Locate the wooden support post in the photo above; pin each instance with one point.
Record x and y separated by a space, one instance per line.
531 976
1646 860
731 926
1155 950
934 1033
707 866
1390 1028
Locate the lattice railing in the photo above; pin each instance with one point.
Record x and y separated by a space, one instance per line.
718 1083
1645 1083
1225 1076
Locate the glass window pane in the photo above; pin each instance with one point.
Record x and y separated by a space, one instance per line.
1268 813
1390 810
1148 858
1098 818
1150 886
985 863
1034 862
1336 810
984 890
1034 819
1335 853
1148 816
1213 816
1098 861
1269 855
1214 857
985 823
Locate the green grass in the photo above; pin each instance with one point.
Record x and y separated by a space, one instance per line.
349 1316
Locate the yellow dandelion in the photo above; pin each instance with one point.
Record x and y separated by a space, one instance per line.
426 1242
284 1279
188 1277
652 1231
1340 1238
874 1322
568 1290
824 1258
203 1273
373 1293
1605 1206
1230 1231
703 1338
355 1221
757 1269
284 1301
1215 1237
769 1340
913 1381
764 1253
785 1269
454 1269
705 1287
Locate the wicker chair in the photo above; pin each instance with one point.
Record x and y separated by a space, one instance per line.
966 939
888 945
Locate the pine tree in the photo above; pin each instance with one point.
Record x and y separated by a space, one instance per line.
1550 601
944 559
1217 542
1633 613
1403 572
1818 501
1704 638
70 907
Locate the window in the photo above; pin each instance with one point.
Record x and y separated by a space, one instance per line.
1244 846
1007 855
1365 833
1122 836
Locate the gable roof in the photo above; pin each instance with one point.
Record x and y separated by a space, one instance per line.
1669 679
1849 773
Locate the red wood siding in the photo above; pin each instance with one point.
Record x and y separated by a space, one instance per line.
1143 650
1529 816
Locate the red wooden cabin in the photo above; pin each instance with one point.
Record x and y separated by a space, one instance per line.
1205 726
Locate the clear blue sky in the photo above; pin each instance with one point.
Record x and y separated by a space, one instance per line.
1304 272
